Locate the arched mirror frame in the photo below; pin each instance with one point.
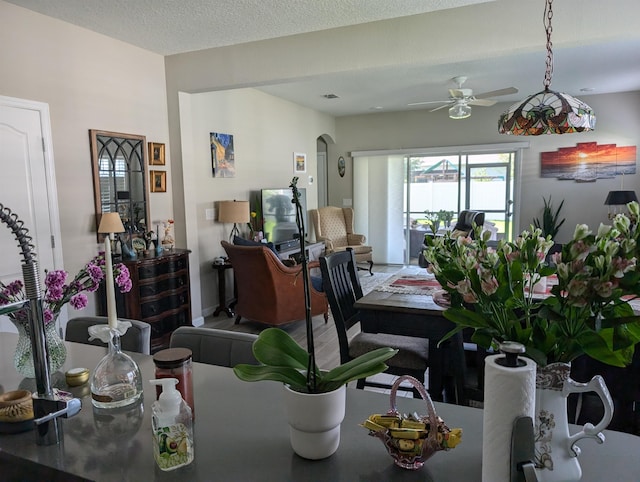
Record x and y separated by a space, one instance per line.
119 166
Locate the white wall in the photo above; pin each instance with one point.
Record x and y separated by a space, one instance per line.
267 131
90 82
618 122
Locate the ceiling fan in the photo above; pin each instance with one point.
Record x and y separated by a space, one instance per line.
460 100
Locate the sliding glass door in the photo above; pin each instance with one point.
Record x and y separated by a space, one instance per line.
437 188
399 196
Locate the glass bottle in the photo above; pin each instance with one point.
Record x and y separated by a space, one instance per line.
116 380
176 363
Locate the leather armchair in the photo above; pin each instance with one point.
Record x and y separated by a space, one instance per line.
334 226
268 291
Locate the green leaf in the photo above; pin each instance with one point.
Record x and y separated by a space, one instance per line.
361 366
275 347
254 373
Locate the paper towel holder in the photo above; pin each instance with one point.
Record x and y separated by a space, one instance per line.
523 451
511 350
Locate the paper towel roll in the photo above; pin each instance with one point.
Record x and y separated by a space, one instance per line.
508 393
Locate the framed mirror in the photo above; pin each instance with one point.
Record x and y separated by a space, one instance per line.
120 179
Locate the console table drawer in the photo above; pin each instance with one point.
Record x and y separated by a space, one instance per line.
154 308
168 284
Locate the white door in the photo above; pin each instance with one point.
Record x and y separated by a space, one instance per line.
27 188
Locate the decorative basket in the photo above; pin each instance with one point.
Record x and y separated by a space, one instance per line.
412 439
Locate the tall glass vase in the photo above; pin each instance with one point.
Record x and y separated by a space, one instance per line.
23 356
116 380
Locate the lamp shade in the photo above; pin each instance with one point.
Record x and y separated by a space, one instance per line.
233 212
618 198
111 223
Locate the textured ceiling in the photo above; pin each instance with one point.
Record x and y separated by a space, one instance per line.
176 26
600 61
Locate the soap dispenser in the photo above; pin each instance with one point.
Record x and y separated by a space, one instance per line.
172 427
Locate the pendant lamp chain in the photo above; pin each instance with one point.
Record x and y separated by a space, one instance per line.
547 112
548 15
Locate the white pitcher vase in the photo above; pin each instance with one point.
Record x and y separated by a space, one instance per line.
556 454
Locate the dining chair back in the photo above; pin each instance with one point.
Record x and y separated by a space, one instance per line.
137 338
215 347
342 286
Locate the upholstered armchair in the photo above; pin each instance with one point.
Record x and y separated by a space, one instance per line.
268 291
334 226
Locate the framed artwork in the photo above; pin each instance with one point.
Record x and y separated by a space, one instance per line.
158 181
341 166
588 161
299 162
156 154
223 162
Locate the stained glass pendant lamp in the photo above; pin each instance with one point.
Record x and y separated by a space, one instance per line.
548 111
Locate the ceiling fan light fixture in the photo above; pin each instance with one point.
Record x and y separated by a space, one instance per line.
459 111
547 112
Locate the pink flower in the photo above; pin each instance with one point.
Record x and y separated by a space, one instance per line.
489 286
48 315
55 279
95 273
79 301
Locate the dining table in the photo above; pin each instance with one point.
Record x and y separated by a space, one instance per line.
241 434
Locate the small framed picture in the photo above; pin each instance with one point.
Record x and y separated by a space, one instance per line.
299 162
156 154
158 181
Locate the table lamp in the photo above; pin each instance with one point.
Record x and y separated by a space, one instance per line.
234 212
619 198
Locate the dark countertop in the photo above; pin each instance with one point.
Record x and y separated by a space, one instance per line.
241 434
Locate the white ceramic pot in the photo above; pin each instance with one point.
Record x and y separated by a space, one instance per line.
314 421
556 453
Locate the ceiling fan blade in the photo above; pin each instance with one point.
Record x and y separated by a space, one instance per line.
482 102
496 93
438 108
430 102
460 93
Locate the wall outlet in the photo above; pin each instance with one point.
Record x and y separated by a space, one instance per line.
209 214
310 179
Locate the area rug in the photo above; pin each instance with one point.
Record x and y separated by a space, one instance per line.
368 282
411 283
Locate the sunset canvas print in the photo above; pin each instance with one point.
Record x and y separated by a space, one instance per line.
588 161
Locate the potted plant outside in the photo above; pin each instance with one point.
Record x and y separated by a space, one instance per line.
314 399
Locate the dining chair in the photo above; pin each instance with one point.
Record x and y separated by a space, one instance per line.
342 286
215 347
137 338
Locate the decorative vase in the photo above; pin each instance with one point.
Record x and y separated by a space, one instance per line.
314 421
23 357
116 380
556 455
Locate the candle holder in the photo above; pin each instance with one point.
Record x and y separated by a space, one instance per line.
116 380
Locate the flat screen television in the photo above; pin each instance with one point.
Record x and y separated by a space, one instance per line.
279 216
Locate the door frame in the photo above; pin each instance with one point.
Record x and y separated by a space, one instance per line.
42 109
